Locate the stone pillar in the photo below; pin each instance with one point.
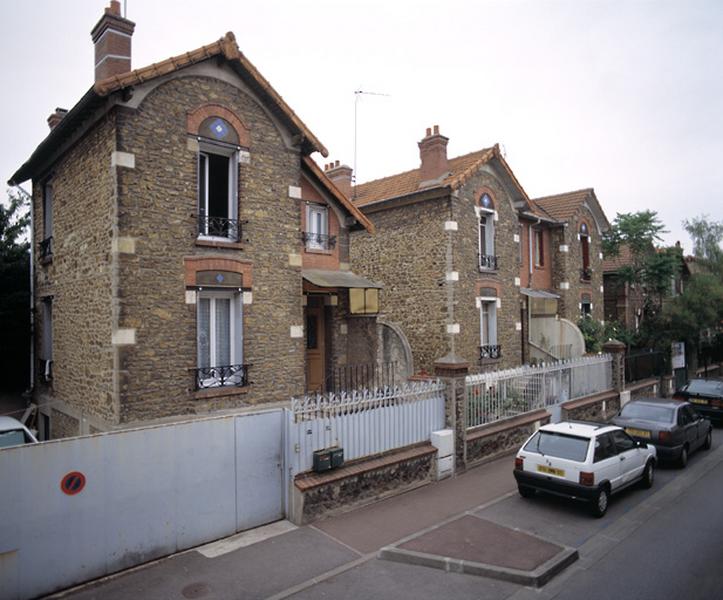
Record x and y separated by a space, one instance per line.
452 370
617 350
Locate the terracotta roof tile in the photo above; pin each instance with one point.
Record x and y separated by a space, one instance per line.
461 168
563 206
623 259
225 47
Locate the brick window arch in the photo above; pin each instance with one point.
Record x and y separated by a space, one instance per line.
198 115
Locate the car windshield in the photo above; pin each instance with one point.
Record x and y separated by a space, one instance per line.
648 412
703 386
559 445
11 438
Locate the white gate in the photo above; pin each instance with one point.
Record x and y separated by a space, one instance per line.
138 494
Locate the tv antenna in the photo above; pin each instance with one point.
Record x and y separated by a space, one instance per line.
357 94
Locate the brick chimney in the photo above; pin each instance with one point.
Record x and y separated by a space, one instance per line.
433 155
56 117
112 38
340 176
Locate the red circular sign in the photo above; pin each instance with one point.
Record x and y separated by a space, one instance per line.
73 483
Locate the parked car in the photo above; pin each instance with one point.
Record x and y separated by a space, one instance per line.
14 433
583 461
706 395
672 426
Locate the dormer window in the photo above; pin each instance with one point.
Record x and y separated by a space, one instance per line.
218 180
486 250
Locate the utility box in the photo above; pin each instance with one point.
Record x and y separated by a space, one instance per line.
337 457
443 441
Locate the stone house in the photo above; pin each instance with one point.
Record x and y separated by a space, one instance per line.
191 256
460 248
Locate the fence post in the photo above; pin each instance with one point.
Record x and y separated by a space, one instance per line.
617 350
452 370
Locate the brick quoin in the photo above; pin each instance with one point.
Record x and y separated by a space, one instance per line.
198 115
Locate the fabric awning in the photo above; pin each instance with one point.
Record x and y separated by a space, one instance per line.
539 294
333 279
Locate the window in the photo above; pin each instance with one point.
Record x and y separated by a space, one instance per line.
559 445
317 227
46 247
487 258
218 181
539 248
488 328
46 352
585 305
623 441
220 339
363 301
586 273
604 447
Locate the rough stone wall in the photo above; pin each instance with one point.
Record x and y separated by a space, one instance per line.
345 494
501 442
158 208
594 411
79 280
471 279
407 256
568 265
63 425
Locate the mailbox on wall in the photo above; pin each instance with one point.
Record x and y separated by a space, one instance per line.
327 459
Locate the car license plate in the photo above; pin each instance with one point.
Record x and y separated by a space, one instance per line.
638 432
698 401
551 470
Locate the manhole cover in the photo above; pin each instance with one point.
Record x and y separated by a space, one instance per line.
195 590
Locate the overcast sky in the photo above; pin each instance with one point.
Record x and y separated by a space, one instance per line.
622 96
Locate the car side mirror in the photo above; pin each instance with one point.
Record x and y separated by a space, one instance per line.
642 444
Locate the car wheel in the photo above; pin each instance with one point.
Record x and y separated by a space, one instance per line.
648 475
683 459
525 492
599 504
708 441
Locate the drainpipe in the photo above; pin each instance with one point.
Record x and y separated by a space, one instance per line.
32 290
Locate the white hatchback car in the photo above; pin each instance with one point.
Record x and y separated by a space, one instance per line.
583 461
14 433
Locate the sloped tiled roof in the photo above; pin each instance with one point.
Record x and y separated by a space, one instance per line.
563 206
94 98
624 258
336 193
401 184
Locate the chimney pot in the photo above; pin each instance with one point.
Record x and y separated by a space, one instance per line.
56 117
336 164
436 130
429 131
112 39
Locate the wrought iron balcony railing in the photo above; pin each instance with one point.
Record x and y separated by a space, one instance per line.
488 262
318 241
228 375
219 227
490 352
586 274
46 248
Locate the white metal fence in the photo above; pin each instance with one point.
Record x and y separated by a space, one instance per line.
363 422
499 394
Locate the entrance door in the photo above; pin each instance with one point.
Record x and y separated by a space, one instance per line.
315 345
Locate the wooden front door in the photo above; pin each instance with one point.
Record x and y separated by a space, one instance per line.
315 345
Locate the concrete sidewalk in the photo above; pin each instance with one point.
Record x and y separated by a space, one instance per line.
252 565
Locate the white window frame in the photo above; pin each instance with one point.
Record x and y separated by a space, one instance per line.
235 327
487 304
312 224
489 249
205 149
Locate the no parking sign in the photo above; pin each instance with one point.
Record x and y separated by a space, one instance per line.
73 483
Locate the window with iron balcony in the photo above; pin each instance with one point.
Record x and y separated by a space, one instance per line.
489 349
486 238
316 236
218 160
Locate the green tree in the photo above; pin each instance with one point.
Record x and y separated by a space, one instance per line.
707 236
14 291
650 269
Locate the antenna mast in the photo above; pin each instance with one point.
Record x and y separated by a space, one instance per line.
357 94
